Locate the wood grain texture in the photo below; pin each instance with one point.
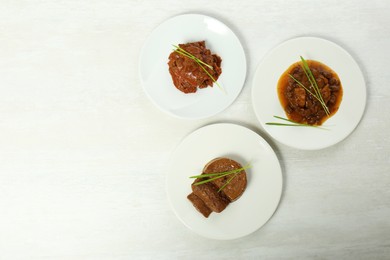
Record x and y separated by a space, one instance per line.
83 151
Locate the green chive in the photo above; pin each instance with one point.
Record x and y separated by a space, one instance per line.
218 175
198 61
223 186
293 123
314 85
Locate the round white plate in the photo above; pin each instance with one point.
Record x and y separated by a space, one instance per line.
157 81
266 103
258 202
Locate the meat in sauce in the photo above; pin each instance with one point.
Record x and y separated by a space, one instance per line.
300 105
187 74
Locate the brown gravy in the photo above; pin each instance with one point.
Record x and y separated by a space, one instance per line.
299 105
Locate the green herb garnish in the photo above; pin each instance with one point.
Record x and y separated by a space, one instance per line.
198 61
228 181
300 84
317 95
293 123
313 83
218 175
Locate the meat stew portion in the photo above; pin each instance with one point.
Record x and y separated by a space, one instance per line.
298 103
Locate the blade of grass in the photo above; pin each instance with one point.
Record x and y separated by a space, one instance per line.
220 173
300 84
284 124
210 76
210 180
234 176
293 123
306 70
313 83
199 62
285 119
202 176
189 55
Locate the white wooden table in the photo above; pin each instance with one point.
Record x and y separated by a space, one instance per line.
82 149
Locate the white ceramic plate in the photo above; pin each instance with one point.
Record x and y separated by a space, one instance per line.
266 103
157 81
253 208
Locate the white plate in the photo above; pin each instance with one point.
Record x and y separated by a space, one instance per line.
253 208
266 103
157 81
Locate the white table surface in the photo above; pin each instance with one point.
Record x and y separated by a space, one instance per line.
82 149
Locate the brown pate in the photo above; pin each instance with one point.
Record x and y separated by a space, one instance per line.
207 199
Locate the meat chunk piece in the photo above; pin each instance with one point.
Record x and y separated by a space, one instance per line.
300 96
325 93
334 87
208 197
303 104
237 185
199 205
208 192
187 75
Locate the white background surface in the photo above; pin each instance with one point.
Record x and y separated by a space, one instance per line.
83 151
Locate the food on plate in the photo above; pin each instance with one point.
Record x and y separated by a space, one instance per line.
199 205
208 193
223 181
193 66
310 92
237 185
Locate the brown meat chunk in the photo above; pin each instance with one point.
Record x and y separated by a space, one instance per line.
321 81
301 104
325 93
199 205
237 186
300 96
208 193
186 74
